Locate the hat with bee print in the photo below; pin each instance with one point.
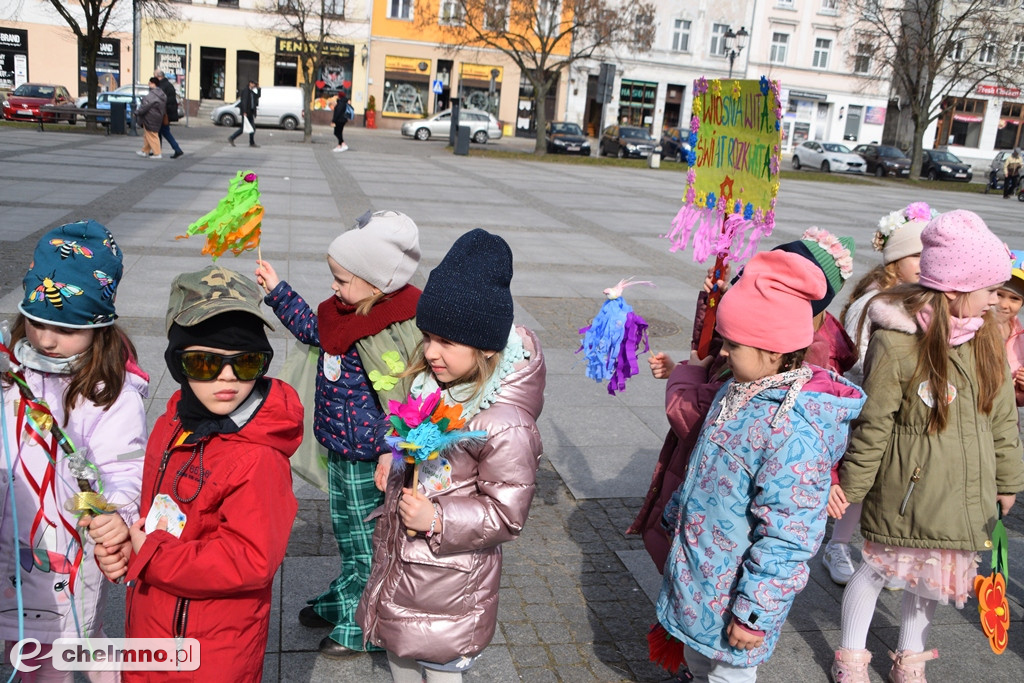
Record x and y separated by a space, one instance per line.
73 278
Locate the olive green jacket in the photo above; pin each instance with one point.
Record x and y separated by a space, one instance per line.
924 490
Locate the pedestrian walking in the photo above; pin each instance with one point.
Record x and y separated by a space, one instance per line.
217 504
369 317
1011 172
82 373
432 597
172 112
936 456
898 237
740 545
339 118
151 115
248 103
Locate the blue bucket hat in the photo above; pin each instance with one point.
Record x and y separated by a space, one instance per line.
73 279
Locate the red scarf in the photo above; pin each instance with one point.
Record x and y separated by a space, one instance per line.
340 327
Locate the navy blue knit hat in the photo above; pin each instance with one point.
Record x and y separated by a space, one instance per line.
467 297
73 279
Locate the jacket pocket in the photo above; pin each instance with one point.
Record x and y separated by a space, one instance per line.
417 551
914 478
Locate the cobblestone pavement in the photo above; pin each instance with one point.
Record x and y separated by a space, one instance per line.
577 595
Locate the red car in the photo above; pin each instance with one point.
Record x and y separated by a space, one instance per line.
24 101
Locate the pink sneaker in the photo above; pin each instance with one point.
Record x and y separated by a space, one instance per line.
851 666
908 666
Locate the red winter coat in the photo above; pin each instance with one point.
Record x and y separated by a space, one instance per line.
213 584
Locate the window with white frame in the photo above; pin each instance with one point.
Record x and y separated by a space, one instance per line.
785 4
830 6
548 17
822 48
862 60
496 15
1017 51
400 9
956 47
451 13
987 51
780 45
718 39
681 36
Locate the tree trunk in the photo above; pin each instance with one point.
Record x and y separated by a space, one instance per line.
920 123
307 107
92 81
540 96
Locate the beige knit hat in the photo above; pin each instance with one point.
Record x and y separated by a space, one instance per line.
382 248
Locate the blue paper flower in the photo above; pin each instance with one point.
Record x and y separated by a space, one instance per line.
737 207
764 85
748 211
691 157
693 138
712 200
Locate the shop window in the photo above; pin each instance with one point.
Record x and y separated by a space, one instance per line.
862 60
718 39
406 86
681 36
1010 119
960 122
400 9
822 48
636 103
780 42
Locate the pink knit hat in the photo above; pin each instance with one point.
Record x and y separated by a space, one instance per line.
770 306
961 254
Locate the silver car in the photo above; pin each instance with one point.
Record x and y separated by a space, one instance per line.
482 126
828 156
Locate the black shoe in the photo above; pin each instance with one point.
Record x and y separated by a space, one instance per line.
310 619
253 144
177 154
333 650
232 141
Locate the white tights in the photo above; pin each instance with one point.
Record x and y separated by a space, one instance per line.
859 600
407 670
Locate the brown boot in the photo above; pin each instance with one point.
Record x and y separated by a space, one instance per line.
908 666
851 666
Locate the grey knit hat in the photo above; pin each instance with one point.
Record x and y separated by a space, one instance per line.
382 248
467 297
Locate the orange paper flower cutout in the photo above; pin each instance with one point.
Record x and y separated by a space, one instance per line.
453 413
994 609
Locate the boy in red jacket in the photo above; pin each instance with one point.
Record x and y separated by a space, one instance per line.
217 504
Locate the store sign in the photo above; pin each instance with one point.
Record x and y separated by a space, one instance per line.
875 115
408 64
997 91
805 95
172 59
108 65
289 46
480 72
13 57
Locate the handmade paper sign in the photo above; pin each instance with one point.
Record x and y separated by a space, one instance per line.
734 169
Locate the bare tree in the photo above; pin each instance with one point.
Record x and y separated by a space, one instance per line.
311 23
89 24
936 52
545 37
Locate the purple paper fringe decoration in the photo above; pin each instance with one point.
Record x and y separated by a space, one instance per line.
714 233
626 365
611 342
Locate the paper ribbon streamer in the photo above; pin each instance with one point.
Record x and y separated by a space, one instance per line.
235 223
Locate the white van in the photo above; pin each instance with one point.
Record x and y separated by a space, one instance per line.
280 106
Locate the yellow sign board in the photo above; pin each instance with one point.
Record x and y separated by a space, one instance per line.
480 72
415 65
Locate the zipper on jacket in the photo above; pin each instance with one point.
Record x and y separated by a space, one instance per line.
180 617
914 478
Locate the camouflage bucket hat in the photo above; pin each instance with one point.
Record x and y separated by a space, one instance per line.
198 296
73 279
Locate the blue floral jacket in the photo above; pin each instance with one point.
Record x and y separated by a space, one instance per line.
751 513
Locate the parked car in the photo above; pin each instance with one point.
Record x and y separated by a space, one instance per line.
279 106
104 99
627 141
566 137
884 160
675 144
24 101
937 164
828 156
140 90
482 125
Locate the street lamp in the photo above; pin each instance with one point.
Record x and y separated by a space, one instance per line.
741 42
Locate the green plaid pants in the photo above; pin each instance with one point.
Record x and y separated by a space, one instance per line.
353 496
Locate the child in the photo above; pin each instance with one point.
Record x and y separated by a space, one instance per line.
1011 298
432 598
751 510
372 313
692 385
899 239
82 365
217 502
931 474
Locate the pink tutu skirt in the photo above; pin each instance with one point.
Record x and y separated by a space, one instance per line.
943 575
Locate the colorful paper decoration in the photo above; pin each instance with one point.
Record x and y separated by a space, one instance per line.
993 606
235 223
611 342
732 183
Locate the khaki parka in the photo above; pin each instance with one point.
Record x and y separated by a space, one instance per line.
923 490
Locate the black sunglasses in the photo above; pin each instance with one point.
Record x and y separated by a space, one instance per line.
205 366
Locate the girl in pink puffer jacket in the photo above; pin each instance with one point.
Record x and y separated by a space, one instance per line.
432 597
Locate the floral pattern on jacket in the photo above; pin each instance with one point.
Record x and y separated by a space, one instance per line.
751 513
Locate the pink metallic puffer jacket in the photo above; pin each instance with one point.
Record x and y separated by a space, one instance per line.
437 599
